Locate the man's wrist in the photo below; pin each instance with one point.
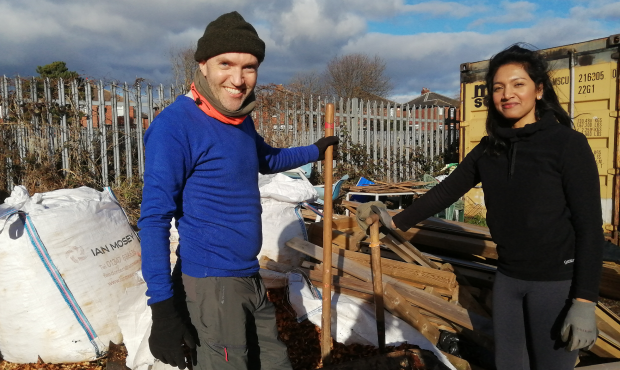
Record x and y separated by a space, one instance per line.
163 309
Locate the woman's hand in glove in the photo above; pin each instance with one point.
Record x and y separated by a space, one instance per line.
371 212
579 328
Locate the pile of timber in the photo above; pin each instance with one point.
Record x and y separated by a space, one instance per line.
449 290
384 187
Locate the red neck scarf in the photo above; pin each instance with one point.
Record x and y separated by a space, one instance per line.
206 107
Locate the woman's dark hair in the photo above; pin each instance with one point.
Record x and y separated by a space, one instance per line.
538 70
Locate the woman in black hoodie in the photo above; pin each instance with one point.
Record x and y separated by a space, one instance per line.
542 194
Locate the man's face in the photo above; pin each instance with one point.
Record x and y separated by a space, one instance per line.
231 77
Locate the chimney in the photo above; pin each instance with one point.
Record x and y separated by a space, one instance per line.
425 91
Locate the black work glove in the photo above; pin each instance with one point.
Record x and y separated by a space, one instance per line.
168 333
325 142
580 326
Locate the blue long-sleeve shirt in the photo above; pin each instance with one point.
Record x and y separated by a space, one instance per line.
204 173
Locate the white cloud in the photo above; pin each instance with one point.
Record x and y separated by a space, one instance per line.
122 40
441 9
377 10
510 12
604 10
433 59
306 19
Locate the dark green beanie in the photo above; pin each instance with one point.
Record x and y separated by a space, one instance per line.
230 33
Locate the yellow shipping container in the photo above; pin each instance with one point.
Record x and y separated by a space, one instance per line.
585 76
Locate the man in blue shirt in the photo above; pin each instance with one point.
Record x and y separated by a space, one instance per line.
203 156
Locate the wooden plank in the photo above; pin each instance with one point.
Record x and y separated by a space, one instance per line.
460 238
437 291
606 366
465 296
377 275
392 300
454 243
457 227
438 306
604 349
402 254
438 224
457 362
340 239
344 223
610 280
406 271
419 257
399 307
273 279
608 322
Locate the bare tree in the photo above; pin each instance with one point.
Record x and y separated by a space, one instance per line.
183 66
308 83
358 76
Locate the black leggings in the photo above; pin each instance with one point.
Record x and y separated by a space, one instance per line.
527 318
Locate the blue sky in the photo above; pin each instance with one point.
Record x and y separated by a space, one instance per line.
422 42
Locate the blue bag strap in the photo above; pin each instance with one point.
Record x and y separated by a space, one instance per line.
60 282
6 212
5 215
300 218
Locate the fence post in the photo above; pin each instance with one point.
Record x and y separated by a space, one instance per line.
103 135
88 95
4 95
127 124
139 129
115 139
63 128
294 125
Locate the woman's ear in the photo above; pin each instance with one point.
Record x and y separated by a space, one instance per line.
539 91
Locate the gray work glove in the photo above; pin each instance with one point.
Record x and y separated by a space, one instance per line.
580 326
384 216
364 211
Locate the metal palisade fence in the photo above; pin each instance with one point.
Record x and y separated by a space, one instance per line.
96 129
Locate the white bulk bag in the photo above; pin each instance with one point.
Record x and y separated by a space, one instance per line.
66 259
281 218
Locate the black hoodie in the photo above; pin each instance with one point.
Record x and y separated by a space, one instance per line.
543 204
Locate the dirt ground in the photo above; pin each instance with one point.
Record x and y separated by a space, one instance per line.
302 340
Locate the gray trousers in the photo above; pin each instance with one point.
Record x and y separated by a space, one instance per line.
527 318
236 324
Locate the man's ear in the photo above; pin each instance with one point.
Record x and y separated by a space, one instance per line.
203 67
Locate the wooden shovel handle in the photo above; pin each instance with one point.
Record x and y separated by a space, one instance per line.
377 284
327 240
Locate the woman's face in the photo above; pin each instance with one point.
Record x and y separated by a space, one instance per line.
515 94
